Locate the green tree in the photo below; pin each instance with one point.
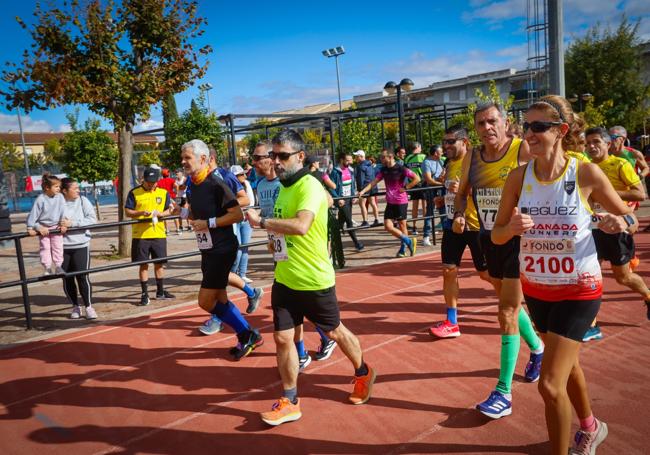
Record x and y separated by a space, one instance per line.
150 157
356 136
607 64
195 123
52 151
117 57
89 154
10 158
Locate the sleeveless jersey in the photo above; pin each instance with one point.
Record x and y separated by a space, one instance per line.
454 171
487 178
557 256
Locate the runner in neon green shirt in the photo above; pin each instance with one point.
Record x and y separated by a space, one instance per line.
304 276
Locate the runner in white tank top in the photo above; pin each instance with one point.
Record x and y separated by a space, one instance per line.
545 203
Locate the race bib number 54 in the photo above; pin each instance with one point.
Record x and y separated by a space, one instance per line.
204 239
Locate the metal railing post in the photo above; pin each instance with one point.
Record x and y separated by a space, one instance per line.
23 284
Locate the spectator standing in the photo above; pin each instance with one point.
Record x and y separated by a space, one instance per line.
77 212
363 175
433 175
149 237
45 216
168 184
180 187
243 229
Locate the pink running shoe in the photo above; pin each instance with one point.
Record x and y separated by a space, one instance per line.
445 329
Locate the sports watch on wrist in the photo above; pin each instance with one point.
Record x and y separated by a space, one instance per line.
629 219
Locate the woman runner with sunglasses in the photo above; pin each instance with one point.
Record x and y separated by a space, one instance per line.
545 202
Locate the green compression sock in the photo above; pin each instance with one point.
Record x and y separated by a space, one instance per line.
527 332
509 351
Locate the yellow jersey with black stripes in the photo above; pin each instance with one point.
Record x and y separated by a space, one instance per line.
487 178
454 172
142 200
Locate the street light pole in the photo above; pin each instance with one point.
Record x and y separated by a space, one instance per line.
22 140
392 87
205 88
336 52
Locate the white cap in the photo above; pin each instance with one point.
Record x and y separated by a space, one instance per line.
360 153
237 169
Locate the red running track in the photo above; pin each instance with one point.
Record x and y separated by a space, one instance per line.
154 385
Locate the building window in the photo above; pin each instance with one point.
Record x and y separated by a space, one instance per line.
462 95
445 97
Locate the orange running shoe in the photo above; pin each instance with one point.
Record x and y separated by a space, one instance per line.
363 387
282 411
634 263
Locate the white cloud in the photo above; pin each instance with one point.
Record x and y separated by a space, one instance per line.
9 122
148 125
64 128
496 11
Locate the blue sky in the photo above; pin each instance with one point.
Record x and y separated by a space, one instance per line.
267 56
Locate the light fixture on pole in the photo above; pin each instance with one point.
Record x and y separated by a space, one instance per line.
336 52
584 97
205 88
391 88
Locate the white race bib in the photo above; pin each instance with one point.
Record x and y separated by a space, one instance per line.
596 216
487 203
279 247
449 205
549 261
204 239
346 190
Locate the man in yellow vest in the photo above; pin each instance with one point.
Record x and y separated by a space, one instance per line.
149 238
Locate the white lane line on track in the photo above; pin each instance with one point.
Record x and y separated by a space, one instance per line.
189 349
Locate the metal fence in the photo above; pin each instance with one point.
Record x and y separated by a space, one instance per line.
24 281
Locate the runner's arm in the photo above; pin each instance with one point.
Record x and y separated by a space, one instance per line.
641 162
633 193
299 225
594 184
369 186
460 201
509 221
242 198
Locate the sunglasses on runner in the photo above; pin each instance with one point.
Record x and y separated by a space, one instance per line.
539 127
614 137
283 156
260 157
450 141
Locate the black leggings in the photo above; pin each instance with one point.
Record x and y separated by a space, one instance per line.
345 216
75 260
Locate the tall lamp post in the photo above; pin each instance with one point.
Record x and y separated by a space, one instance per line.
579 99
391 87
206 87
336 52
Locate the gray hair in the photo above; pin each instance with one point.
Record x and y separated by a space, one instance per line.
291 138
265 144
618 130
198 148
485 105
599 130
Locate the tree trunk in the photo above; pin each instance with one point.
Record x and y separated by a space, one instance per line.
99 214
125 138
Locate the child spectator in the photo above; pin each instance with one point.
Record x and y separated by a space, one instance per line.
45 216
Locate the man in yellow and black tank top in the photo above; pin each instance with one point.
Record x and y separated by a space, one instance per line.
484 174
149 238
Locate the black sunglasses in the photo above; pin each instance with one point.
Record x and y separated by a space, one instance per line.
450 141
539 127
260 157
283 156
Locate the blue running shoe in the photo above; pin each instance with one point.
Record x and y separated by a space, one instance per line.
254 302
533 367
593 333
496 406
211 326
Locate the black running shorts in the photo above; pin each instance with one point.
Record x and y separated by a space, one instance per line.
396 212
453 247
502 260
290 307
416 195
567 318
143 249
216 268
618 249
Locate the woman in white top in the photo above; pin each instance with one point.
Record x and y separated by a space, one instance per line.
545 202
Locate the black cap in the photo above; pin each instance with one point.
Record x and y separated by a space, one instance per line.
151 174
311 159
